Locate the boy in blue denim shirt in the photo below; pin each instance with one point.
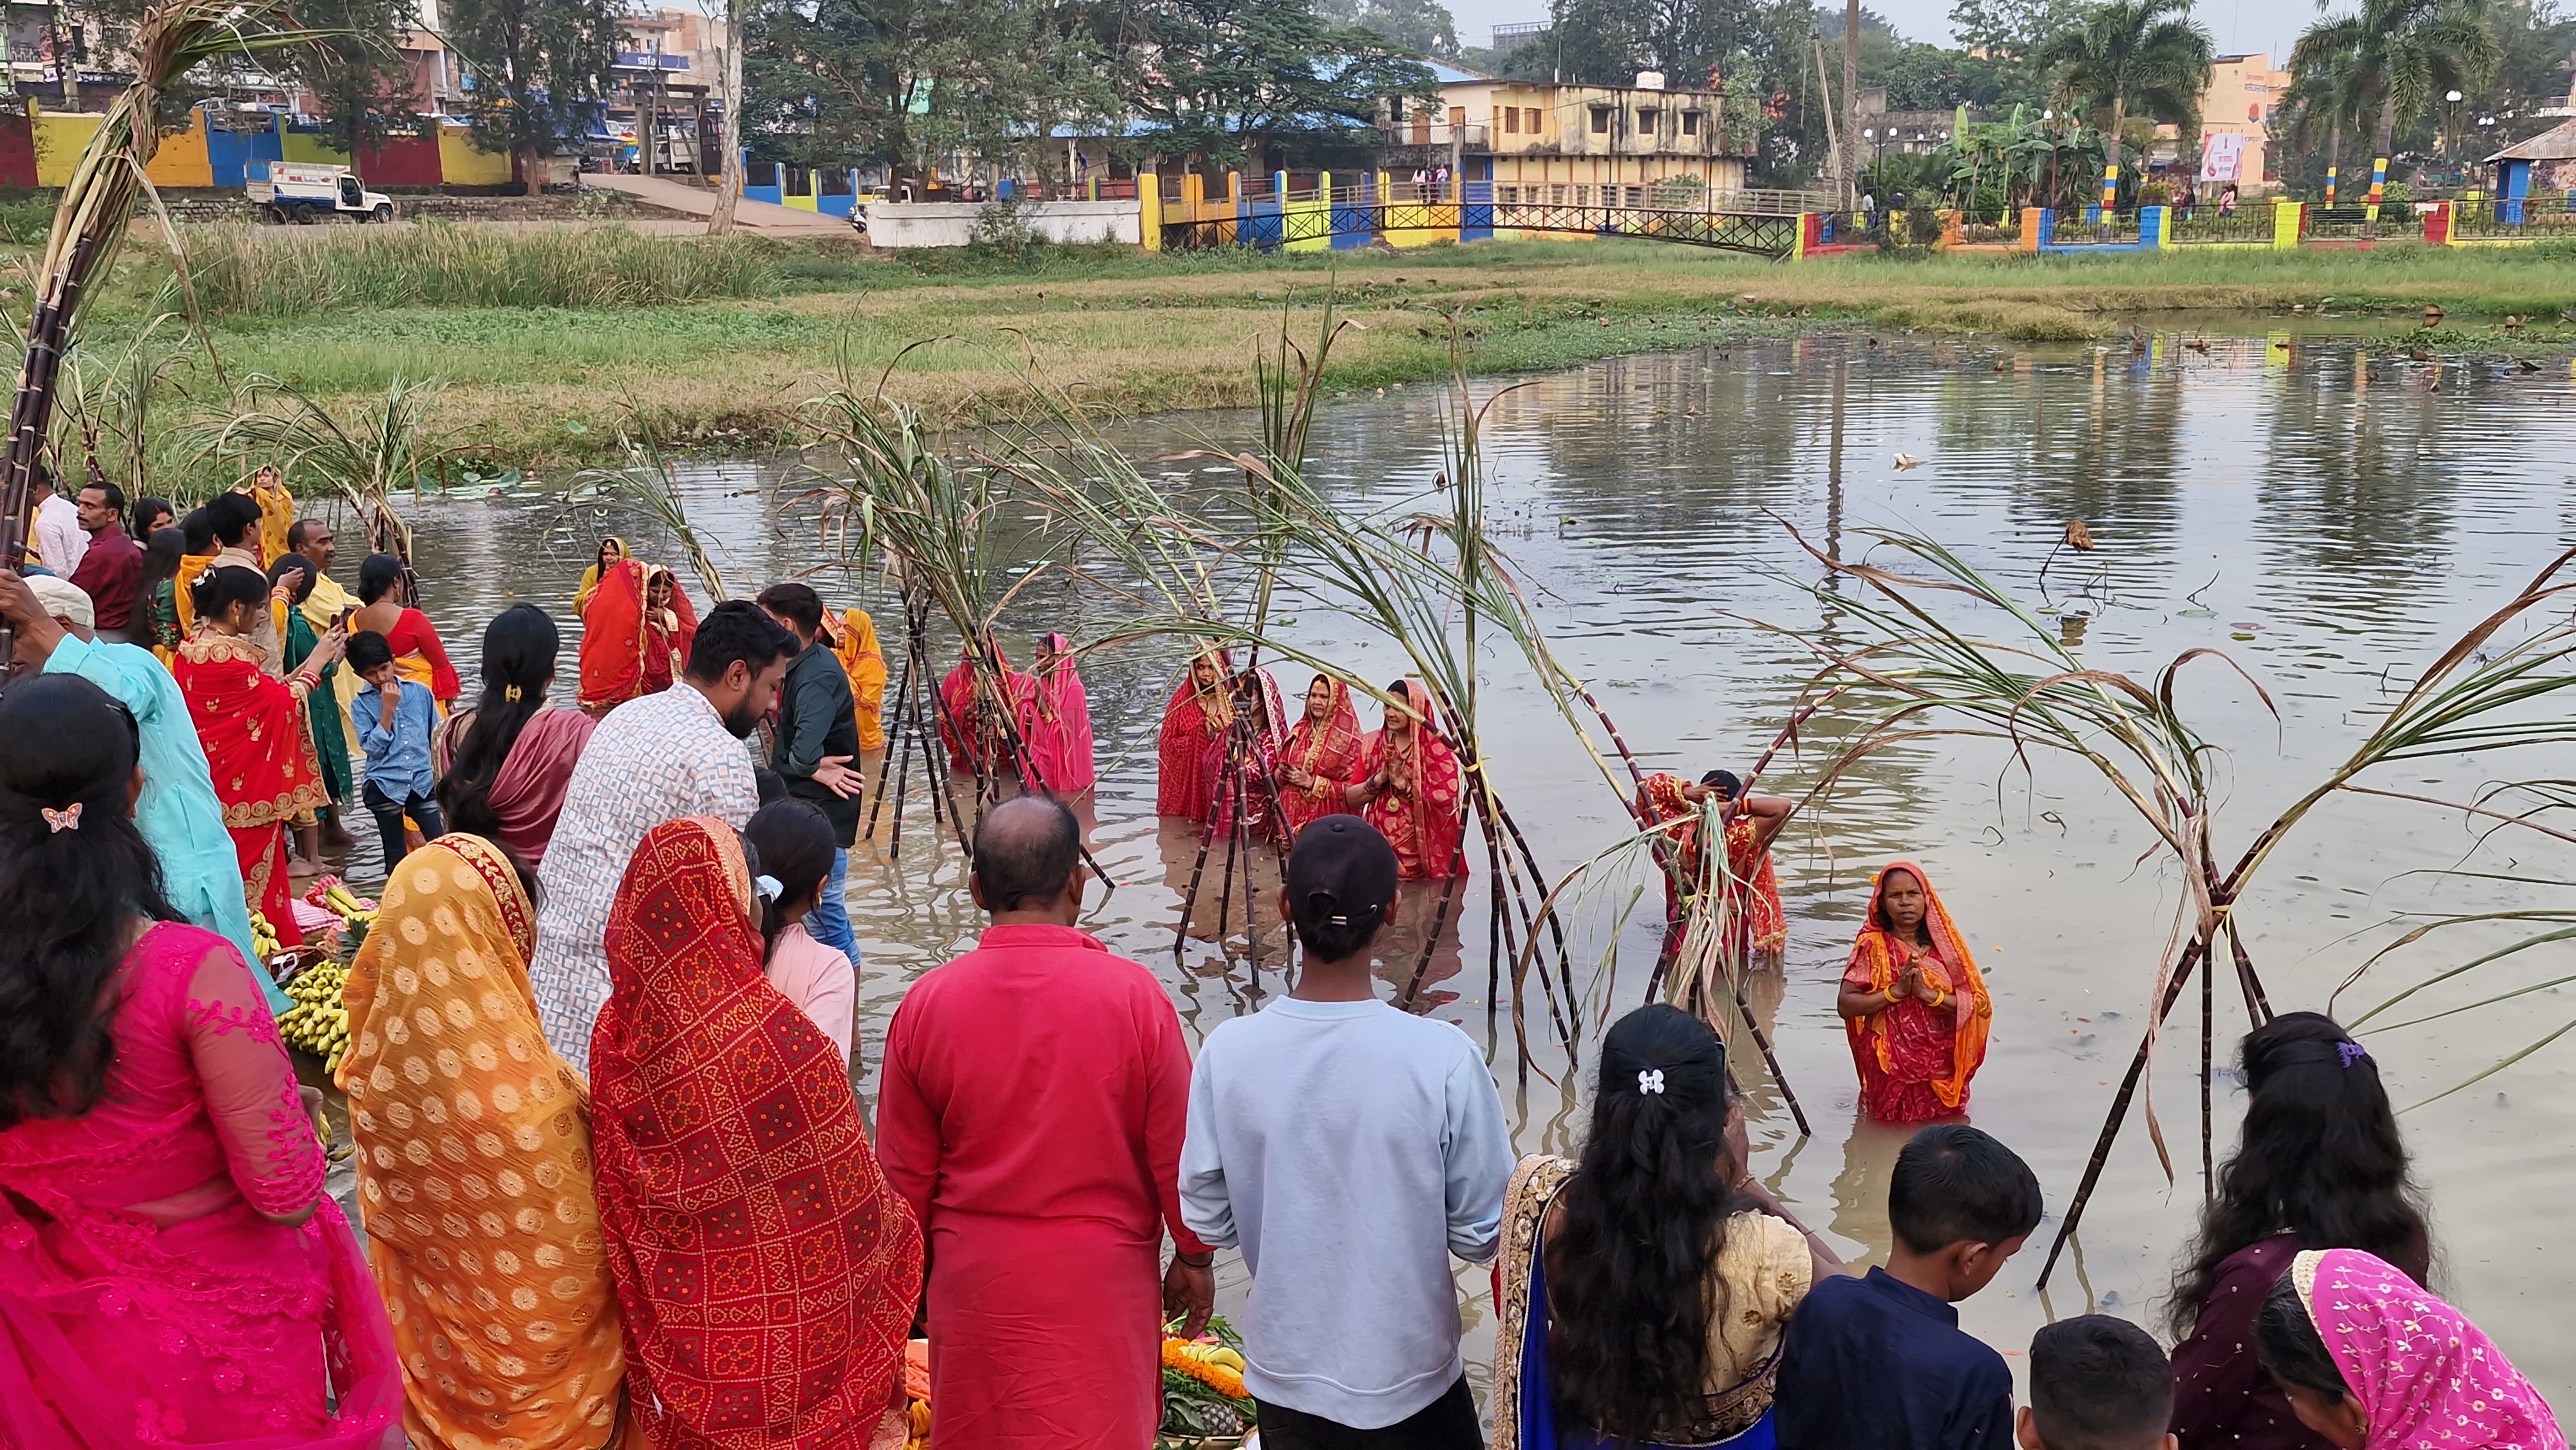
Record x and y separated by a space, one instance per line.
394 722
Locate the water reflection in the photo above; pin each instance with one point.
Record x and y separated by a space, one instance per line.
2340 504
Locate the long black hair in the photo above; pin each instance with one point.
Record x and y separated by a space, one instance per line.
161 555
2286 1341
519 649
216 591
2321 1158
75 871
1643 1219
145 511
793 842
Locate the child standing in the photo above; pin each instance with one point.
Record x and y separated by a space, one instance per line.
394 722
1350 1149
1880 1361
793 843
2097 1383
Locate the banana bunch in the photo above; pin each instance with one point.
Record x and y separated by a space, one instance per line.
263 938
353 908
319 1020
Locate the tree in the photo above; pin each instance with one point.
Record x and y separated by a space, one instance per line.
1232 76
2144 56
1424 27
898 83
540 71
2008 29
2398 54
364 85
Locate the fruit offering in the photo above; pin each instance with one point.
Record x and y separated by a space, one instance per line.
319 1020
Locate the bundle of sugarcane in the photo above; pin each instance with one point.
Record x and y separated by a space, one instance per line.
91 220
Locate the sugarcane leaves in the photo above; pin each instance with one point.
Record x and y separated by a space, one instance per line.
364 452
647 483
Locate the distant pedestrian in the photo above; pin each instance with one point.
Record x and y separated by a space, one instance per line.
1031 1109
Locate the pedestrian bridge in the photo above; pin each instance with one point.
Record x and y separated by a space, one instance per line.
1762 224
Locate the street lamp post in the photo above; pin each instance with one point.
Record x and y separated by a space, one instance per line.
2453 129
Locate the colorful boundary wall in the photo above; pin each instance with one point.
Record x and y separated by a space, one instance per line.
40 148
769 181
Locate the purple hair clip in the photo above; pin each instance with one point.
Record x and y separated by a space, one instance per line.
2350 1052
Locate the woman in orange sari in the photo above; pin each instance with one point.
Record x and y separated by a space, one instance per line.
635 635
1322 757
854 640
767 1274
1411 788
252 727
1199 713
506 1322
1913 1003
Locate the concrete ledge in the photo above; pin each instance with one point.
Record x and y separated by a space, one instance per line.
952 223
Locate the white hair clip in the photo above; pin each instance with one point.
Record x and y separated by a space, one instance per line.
768 887
1651 1080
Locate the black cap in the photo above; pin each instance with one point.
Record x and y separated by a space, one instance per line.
1341 871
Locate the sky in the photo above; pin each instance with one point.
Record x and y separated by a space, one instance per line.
2237 25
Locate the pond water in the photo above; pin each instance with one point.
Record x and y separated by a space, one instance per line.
2329 517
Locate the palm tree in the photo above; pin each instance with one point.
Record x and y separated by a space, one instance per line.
2323 93
2133 56
2399 54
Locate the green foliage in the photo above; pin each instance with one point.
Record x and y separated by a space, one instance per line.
25 216
2391 58
541 68
2143 57
362 82
1424 27
1229 80
240 270
2012 28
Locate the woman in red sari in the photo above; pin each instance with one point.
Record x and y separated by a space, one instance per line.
384 592
635 635
1055 723
253 730
1762 925
974 734
767 1275
1411 788
1254 776
1322 756
1913 1003
1200 711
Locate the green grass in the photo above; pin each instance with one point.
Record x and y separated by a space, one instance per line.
282 272
363 350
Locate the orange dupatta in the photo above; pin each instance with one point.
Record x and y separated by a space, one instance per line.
1875 961
474 1167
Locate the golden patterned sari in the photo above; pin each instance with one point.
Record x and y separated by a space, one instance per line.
474 1168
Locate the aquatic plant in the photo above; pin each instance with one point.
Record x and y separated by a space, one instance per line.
1922 674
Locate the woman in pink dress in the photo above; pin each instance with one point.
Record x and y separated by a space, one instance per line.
1199 713
171 1270
1055 723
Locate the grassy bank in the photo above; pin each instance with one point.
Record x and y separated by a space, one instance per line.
717 346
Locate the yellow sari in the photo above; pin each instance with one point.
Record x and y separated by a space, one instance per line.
474 1168
864 663
276 516
590 576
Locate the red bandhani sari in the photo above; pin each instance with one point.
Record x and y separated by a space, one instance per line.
1192 719
1254 773
1330 753
261 757
1916 1058
767 1276
1426 820
1055 724
975 738
627 650
1761 922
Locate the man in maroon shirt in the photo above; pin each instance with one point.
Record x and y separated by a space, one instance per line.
113 567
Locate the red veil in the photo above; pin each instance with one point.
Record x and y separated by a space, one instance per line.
964 728
261 757
624 655
1258 769
1331 754
767 1274
1190 721
1428 824
1055 724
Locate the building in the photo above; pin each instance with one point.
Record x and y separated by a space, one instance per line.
2546 162
670 73
1575 145
2236 123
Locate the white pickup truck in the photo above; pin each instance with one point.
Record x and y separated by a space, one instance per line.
304 191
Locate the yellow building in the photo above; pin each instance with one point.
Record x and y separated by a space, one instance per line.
2243 91
1578 145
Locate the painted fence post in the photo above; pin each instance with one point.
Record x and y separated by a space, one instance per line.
2378 184
2032 222
1149 209
2110 188
2437 225
1953 230
2330 186
2155 225
2285 224
1475 210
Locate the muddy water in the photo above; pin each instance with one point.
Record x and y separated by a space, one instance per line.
2329 520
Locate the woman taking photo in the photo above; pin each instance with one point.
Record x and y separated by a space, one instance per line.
1913 1004
2320 1166
1645 1289
505 763
171 1270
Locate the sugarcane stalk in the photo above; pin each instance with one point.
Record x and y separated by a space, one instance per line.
2120 1109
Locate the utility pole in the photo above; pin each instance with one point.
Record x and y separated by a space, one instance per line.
1851 97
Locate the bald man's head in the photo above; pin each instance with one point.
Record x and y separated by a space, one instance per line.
1025 854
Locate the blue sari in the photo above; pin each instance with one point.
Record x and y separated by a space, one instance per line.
1524 1401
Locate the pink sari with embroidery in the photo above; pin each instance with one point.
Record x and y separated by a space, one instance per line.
1055 723
2425 1376
146 1301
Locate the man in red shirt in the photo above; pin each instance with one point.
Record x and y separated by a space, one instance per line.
1033 1102
111 570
